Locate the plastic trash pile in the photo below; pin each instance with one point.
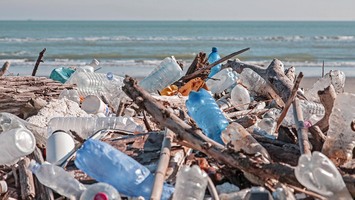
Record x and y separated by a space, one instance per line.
96 133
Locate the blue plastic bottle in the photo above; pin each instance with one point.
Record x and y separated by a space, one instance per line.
106 164
213 57
204 110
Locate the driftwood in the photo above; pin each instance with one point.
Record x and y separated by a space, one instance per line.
318 138
327 98
302 131
39 60
26 180
4 68
199 62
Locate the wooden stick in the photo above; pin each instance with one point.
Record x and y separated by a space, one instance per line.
212 189
26 180
146 123
4 68
39 60
318 138
163 165
323 69
302 132
289 101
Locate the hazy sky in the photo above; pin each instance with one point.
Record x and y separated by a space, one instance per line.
177 9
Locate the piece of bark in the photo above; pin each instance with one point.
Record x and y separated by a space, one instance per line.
39 60
199 62
327 98
290 73
4 68
318 138
242 113
26 180
302 131
247 121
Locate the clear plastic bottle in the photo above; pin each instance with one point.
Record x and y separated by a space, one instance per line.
106 164
213 57
191 183
240 97
241 139
71 95
57 179
340 140
100 191
14 144
319 174
165 74
204 110
10 121
222 80
86 126
312 112
252 81
90 67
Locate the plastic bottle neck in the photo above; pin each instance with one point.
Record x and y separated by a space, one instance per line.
101 196
33 166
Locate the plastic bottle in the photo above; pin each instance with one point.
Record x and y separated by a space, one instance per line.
240 97
340 140
14 144
312 112
86 126
71 95
240 139
100 191
191 183
213 57
106 164
334 77
319 174
222 80
10 121
252 81
57 179
204 110
165 74
90 67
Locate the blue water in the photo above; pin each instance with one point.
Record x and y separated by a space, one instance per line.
135 47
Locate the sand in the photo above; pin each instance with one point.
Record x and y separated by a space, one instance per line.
307 82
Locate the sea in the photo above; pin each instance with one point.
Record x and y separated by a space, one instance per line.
136 47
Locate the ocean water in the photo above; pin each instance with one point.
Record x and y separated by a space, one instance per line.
136 47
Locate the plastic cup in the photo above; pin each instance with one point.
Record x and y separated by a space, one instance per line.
59 144
92 104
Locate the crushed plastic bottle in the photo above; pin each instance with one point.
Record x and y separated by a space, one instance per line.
252 81
312 112
240 97
191 183
10 121
90 67
213 57
240 139
57 179
14 144
106 164
100 191
340 140
319 174
165 74
222 80
72 95
204 110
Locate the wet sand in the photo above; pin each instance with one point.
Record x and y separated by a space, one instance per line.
307 82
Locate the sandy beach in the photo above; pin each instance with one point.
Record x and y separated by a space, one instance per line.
307 82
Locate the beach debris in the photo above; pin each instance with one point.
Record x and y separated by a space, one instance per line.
4 68
39 60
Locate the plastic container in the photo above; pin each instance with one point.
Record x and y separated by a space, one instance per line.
240 139
10 121
213 57
240 97
319 174
165 74
57 179
92 104
191 183
106 164
14 144
204 110
86 126
90 67
340 140
72 95
222 80
3 187
100 191
59 144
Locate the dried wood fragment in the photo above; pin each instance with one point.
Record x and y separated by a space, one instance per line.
4 68
199 62
39 60
26 180
302 131
318 138
327 98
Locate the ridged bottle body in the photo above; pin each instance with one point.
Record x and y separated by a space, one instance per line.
251 80
204 110
312 112
14 144
57 179
100 189
222 80
191 183
240 97
106 164
165 74
213 57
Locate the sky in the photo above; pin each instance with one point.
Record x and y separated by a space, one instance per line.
177 10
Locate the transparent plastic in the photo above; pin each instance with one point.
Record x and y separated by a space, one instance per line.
258 193
204 110
57 179
10 121
252 81
86 126
106 164
240 139
340 140
312 112
90 67
191 183
319 174
100 191
240 97
14 144
71 95
222 80
165 74
213 57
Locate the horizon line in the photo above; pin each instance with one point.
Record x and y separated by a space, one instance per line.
184 20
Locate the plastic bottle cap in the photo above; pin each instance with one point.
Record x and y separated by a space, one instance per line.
214 49
109 76
3 187
101 196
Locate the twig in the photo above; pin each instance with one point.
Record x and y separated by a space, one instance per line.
302 132
318 138
39 60
4 68
323 69
289 101
310 193
212 189
146 123
163 165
